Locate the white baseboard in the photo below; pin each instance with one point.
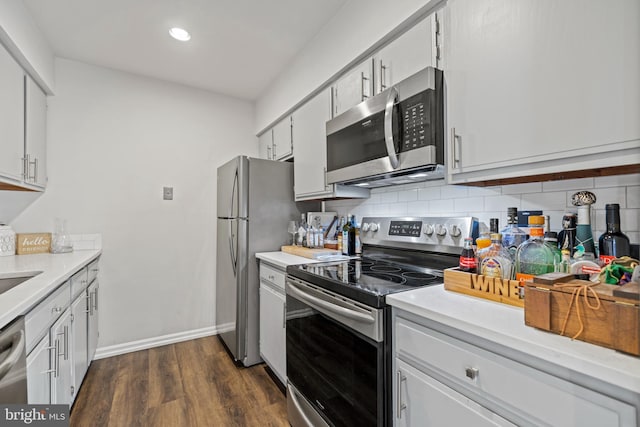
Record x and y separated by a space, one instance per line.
129 347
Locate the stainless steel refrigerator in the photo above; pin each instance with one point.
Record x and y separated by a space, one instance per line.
255 203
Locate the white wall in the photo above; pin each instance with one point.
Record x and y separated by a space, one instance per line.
357 26
19 33
554 198
114 140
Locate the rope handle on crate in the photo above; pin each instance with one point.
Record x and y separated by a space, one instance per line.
574 297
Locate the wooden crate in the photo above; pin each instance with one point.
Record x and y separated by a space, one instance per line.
615 324
33 243
495 289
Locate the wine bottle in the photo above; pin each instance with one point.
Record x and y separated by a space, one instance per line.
613 243
351 245
345 236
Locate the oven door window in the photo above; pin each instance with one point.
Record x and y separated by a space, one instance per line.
339 371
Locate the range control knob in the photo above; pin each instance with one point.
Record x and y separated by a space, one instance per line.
455 231
428 229
365 226
374 227
441 230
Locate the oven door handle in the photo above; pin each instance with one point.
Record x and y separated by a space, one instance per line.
319 303
392 98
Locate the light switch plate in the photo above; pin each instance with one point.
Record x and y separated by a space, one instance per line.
167 193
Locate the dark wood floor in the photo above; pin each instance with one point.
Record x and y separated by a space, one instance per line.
193 383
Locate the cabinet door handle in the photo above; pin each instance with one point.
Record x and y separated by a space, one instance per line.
324 174
400 405
95 299
25 167
383 76
56 358
274 151
35 170
471 373
363 80
66 342
454 152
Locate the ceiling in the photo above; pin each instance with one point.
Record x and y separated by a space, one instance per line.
237 47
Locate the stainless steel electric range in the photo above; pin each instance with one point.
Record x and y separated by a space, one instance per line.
338 325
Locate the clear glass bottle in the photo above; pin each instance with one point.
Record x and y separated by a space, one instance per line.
512 235
339 233
613 243
495 260
551 240
534 257
60 240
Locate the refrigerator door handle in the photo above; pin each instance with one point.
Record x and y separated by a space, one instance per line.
233 194
232 252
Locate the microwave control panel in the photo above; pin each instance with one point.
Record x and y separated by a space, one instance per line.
415 123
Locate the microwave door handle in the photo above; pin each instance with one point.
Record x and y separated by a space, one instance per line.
392 99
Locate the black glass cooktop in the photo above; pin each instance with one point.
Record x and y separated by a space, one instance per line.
366 280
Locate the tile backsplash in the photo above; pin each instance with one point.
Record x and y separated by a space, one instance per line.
434 198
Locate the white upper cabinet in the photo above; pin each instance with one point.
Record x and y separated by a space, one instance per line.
23 117
540 87
265 145
11 118
276 143
310 146
282 143
354 87
36 133
408 54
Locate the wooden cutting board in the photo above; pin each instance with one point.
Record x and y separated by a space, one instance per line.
308 252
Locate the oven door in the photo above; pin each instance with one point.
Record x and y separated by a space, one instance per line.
335 358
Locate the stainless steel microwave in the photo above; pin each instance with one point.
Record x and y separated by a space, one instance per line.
394 137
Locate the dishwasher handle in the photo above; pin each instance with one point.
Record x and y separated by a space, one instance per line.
15 345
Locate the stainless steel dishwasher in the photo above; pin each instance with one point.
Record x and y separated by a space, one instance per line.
13 363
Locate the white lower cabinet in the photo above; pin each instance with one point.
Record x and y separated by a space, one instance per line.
39 373
439 377
79 323
58 363
424 401
61 380
92 320
273 320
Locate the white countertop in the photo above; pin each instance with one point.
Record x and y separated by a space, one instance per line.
504 325
55 268
284 259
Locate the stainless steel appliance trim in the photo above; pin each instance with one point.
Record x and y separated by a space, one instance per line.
329 304
368 321
416 158
420 81
14 344
300 413
392 99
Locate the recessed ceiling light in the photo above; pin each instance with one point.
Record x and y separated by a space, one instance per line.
180 34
